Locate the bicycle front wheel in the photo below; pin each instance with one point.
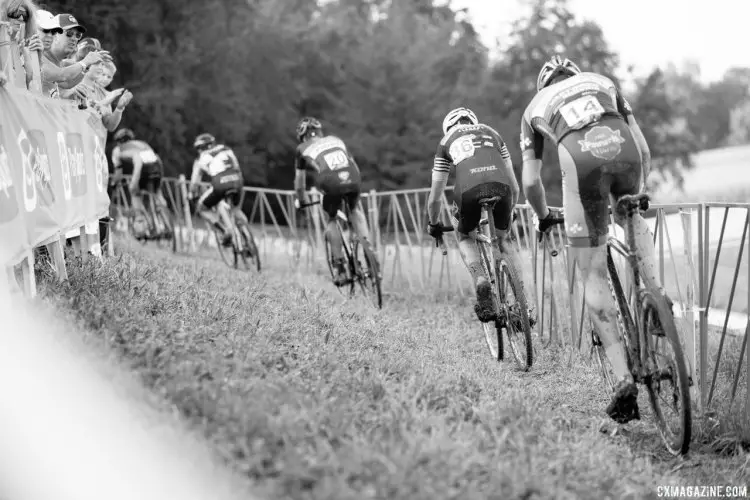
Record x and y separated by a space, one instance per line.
667 377
514 313
228 255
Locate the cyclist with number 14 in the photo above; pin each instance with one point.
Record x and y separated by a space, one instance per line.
602 154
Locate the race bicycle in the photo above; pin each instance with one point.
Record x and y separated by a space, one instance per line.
243 248
510 301
355 252
159 221
647 328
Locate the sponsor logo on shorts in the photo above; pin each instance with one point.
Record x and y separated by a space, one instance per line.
602 142
344 177
479 170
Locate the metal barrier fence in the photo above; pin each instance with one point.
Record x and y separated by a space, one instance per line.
700 247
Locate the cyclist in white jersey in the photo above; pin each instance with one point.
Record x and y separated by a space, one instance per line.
219 163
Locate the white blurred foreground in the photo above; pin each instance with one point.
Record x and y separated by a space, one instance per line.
73 428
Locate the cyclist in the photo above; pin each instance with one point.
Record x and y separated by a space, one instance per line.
483 169
134 157
603 155
220 163
334 172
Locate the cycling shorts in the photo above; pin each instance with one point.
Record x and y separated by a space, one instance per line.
479 178
151 175
339 185
227 183
597 161
467 211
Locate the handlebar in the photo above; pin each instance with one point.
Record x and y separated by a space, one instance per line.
547 224
439 240
305 205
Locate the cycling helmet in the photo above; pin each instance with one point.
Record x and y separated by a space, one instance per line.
124 135
556 66
455 115
204 141
307 124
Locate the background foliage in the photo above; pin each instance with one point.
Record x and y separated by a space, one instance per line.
378 73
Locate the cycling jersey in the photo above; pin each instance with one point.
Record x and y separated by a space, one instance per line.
479 156
569 105
585 117
221 164
124 156
216 160
332 170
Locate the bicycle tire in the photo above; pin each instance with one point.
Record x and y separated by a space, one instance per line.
679 443
250 246
131 225
329 261
524 355
369 275
493 330
230 261
165 215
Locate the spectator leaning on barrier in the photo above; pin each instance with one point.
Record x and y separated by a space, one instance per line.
21 19
56 72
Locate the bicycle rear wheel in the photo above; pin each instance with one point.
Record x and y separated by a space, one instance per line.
331 268
368 275
228 255
667 379
165 219
514 313
493 330
250 256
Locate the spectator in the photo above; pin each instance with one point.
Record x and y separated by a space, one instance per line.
20 16
100 100
106 74
47 26
56 72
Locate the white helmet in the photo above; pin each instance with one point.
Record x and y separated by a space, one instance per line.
554 67
452 118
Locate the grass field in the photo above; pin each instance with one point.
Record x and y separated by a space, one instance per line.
312 396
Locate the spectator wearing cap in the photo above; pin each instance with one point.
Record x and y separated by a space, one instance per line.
47 26
56 73
21 18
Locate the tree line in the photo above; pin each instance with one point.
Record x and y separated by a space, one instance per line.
380 74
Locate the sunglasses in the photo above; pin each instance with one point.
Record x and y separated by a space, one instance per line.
54 31
19 15
74 34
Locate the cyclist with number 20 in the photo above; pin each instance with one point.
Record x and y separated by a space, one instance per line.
602 154
220 163
335 173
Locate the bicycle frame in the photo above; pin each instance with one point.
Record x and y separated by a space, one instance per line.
638 342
